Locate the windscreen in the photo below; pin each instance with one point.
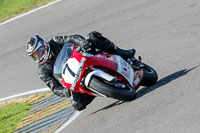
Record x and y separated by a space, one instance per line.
63 56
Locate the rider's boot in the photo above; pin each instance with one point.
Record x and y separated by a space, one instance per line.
125 54
105 45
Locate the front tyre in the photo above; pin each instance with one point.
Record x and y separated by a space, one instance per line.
150 76
125 92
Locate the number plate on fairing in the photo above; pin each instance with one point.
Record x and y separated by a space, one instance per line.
125 69
72 70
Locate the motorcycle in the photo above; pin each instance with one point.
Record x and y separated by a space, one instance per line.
102 74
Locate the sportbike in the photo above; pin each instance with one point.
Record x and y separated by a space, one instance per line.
102 74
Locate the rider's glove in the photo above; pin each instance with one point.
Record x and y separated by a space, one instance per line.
62 92
85 45
66 92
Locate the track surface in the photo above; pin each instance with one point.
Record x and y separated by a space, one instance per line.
164 32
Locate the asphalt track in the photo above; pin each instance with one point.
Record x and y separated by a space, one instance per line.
164 32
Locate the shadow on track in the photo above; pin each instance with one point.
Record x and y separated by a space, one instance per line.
109 106
164 81
146 90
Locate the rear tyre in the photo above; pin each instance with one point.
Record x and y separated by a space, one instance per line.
125 93
150 76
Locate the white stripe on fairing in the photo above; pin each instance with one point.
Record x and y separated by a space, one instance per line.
74 116
69 121
25 93
34 10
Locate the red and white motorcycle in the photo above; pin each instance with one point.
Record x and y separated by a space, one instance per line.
102 74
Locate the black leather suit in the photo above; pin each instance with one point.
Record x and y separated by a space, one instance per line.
45 72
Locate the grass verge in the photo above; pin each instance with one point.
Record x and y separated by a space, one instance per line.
12 8
11 115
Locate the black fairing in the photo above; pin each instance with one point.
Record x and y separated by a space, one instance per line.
63 56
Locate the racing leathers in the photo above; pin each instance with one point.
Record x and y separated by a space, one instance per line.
95 42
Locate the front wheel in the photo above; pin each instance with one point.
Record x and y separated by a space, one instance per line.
120 92
150 76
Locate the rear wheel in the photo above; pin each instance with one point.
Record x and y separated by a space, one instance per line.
115 90
150 76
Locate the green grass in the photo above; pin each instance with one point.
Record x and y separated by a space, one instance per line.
11 115
11 8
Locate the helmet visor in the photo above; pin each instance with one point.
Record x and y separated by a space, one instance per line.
39 54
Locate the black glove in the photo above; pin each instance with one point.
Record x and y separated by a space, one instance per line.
62 92
66 92
85 45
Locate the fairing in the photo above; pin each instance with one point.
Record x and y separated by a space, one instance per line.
71 67
63 56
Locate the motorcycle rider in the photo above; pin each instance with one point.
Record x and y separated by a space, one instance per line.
45 53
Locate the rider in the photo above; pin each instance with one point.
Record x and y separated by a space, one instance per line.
45 54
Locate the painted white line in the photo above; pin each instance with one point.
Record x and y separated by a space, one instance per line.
26 93
34 10
72 118
69 121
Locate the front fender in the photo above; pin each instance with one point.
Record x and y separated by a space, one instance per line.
100 74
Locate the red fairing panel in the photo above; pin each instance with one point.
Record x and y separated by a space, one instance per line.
78 64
